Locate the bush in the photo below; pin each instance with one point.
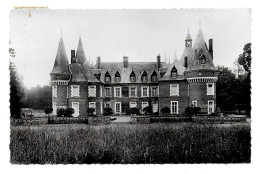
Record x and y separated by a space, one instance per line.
90 111
148 110
190 111
213 114
48 111
135 111
61 112
166 110
69 112
108 111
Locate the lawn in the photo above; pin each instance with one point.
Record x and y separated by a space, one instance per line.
130 143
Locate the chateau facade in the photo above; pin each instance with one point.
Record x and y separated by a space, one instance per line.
190 81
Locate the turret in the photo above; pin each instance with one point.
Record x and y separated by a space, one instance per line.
188 52
80 55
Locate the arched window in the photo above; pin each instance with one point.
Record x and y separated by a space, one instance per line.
132 77
144 77
174 72
154 76
107 77
117 77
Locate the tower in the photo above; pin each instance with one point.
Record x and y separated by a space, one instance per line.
188 52
202 76
60 76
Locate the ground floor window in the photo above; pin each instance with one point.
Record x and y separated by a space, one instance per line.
117 107
194 103
132 104
174 107
75 106
155 107
92 105
210 106
144 104
107 105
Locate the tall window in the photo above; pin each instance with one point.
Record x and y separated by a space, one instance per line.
132 105
154 91
117 92
92 105
92 90
117 107
155 107
133 91
108 91
54 91
174 89
145 91
210 88
210 106
174 107
75 91
144 77
117 77
107 77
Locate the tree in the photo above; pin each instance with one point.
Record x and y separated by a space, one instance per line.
16 89
69 112
245 58
134 111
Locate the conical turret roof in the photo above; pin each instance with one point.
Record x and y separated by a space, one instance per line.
188 37
80 52
61 61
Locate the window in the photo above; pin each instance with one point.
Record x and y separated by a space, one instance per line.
174 107
117 107
210 106
108 91
144 104
54 91
107 77
75 106
107 105
54 106
210 88
174 72
117 92
154 91
174 89
154 76
194 103
132 77
132 105
132 91
144 77
92 91
92 105
117 77
155 107
75 91
145 91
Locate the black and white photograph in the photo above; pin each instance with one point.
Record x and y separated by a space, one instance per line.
130 86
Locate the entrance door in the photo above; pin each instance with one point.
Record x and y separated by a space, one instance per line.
144 104
75 106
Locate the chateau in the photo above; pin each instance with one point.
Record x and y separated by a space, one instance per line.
190 81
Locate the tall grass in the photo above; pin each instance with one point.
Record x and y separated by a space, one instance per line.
126 143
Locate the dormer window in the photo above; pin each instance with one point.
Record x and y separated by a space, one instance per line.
117 77
154 76
202 57
174 72
107 77
144 77
132 77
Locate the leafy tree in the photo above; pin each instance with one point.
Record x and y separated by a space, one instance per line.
61 112
245 58
69 112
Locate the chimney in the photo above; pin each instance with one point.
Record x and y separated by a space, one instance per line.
98 63
186 62
211 47
125 61
158 62
73 58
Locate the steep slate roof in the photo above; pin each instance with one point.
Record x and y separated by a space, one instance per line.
180 71
200 44
137 67
188 52
61 61
77 73
87 70
80 52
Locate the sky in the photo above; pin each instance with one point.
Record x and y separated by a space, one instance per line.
111 34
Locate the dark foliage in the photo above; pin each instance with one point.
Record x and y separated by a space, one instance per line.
69 112
60 112
134 111
48 111
190 111
90 111
166 110
245 58
108 111
148 110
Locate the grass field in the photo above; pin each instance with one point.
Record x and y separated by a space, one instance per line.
127 143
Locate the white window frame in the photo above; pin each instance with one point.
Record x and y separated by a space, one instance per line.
110 91
177 112
119 108
177 90
92 88
54 91
74 114
210 92
194 103
142 89
130 91
132 103
152 87
90 103
144 104
120 88
212 106
72 91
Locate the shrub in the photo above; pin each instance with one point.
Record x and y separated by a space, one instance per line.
148 110
166 110
190 111
69 112
61 112
134 110
91 111
108 111
48 111
213 114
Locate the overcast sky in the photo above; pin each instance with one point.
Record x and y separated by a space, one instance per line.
139 34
